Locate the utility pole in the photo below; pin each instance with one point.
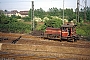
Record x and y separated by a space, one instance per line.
63 11
85 10
32 15
78 4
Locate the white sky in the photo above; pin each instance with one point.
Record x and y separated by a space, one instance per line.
45 4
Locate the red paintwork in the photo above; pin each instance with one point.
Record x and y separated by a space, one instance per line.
52 31
56 31
64 34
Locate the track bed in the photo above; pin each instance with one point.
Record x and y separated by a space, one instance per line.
36 48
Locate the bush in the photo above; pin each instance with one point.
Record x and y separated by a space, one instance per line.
26 19
11 24
53 23
15 27
83 29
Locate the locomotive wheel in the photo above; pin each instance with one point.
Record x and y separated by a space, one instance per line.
47 35
60 40
68 40
73 40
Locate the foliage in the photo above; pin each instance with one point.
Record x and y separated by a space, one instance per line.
17 17
5 19
54 11
51 18
16 27
39 13
40 27
51 23
83 29
88 13
37 19
26 19
82 13
69 14
11 24
35 24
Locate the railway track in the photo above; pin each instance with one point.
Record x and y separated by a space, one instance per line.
79 44
42 49
27 39
46 55
11 56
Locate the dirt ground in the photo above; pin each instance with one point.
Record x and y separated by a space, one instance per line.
36 48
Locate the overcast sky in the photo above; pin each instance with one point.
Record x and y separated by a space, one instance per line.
45 4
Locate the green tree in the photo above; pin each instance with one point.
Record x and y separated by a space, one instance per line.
53 11
53 23
17 17
26 19
4 19
39 13
88 13
69 14
82 14
10 24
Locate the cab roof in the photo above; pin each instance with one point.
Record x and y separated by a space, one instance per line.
68 25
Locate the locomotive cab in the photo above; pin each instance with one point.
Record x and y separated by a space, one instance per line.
68 32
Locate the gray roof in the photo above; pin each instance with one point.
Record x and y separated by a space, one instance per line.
9 12
24 12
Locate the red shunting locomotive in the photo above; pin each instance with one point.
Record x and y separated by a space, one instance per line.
67 32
